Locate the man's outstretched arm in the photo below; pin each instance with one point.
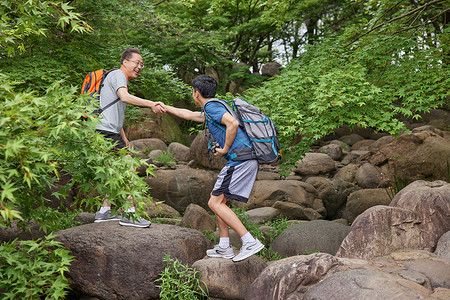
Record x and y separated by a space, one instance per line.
185 113
126 97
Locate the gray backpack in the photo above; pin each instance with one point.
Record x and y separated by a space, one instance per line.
260 129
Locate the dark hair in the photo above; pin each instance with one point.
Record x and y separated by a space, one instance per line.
128 53
206 85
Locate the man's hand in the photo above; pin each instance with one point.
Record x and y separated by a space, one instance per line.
219 151
158 108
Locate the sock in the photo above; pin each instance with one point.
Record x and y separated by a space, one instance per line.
104 209
131 210
224 242
247 238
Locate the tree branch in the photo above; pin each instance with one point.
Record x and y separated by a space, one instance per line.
393 20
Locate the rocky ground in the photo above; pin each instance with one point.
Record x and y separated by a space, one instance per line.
365 243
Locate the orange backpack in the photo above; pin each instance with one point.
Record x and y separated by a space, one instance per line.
92 85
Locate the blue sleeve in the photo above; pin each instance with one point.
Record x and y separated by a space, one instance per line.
215 111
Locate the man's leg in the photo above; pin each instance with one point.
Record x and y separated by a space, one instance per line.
225 216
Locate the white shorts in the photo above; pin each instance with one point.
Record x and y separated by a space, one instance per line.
236 182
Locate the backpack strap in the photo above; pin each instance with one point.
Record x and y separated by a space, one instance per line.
102 109
220 126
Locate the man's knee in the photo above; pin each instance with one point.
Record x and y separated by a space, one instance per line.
215 201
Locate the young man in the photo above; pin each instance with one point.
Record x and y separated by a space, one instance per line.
116 86
236 179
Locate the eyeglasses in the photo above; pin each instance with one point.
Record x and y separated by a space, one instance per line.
137 63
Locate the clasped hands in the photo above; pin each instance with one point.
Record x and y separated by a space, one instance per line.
158 108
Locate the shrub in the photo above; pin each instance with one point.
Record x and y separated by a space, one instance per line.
179 281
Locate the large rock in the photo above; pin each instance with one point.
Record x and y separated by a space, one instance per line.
443 246
145 146
319 235
361 200
347 173
417 156
270 69
266 192
118 262
288 278
437 271
226 279
368 176
416 218
150 125
179 151
332 192
381 230
183 186
315 164
199 153
198 218
332 150
431 202
366 284
262 214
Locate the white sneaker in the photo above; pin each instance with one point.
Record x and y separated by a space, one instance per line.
220 252
248 249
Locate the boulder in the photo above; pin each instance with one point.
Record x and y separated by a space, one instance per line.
262 214
226 279
179 151
437 271
145 146
351 139
270 69
199 153
366 284
288 278
266 192
332 150
198 218
155 154
362 145
315 164
381 142
332 192
443 246
416 218
368 176
118 262
155 209
424 155
355 156
150 125
32 230
431 202
379 231
264 175
303 237
347 173
183 186
359 201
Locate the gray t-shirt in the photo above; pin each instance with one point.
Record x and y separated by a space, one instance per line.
112 118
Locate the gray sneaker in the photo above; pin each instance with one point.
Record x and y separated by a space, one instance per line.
220 252
139 222
106 216
248 249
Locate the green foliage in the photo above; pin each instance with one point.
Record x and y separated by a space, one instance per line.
179 281
166 159
42 138
34 269
329 86
22 19
398 185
